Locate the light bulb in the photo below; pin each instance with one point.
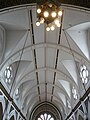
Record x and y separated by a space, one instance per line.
52 27
60 13
37 23
58 25
56 21
46 14
42 20
50 5
48 28
53 14
39 118
38 10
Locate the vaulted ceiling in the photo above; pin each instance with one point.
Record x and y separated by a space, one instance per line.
45 65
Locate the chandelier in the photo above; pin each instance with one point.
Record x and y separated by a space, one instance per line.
50 14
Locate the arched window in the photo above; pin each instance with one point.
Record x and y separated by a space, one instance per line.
8 74
45 116
84 74
74 92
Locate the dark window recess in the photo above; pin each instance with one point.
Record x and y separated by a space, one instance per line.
81 108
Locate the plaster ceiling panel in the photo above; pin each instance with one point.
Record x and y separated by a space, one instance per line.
49 97
75 50
63 40
58 100
30 75
88 39
25 79
79 35
43 97
50 57
42 88
42 91
29 83
42 76
2 42
68 45
30 68
21 68
49 76
64 55
14 41
23 83
65 77
59 90
52 36
73 17
22 43
66 86
26 88
39 34
31 101
40 57
49 88
58 84
62 97
81 27
70 65
56 91
18 40
15 19
32 91
27 55
28 39
30 96
59 105
61 68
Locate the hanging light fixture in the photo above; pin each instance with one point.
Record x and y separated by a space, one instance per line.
50 14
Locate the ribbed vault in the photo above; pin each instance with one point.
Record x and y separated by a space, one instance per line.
37 65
